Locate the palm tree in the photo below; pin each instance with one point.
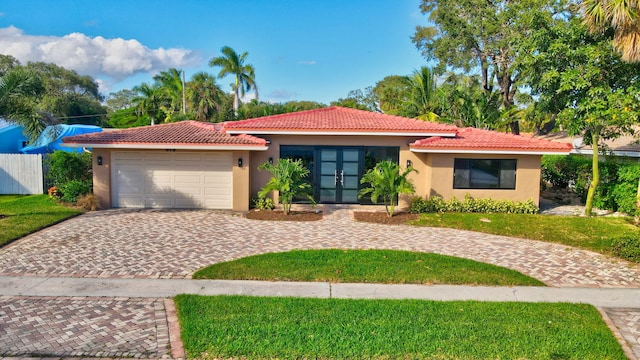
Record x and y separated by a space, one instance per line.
233 64
623 16
288 179
19 90
386 181
150 100
171 83
424 96
204 95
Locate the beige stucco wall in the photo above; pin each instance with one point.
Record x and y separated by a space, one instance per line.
260 178
241 180
102 177
527 178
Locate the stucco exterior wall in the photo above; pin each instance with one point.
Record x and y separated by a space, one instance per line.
527 178
241 180
102 177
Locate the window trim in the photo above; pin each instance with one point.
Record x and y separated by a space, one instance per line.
470 168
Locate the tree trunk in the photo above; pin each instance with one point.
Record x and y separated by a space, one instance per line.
596 174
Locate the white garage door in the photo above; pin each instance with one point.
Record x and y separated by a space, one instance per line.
160 179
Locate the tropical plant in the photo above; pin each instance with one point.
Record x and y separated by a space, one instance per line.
387 182
288 179
424 96
623 17
19 90
204 95
70 173
233 64
170 81
150 100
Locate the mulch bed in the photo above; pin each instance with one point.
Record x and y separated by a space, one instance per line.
275 215
382 217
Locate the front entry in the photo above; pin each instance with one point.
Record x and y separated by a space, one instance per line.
339 175
335 171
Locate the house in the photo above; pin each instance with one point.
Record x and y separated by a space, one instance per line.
192 164
624 146
12 140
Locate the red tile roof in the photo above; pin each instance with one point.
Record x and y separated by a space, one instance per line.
471 139
180 133
339 120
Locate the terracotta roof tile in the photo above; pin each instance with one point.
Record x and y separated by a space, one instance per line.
182 133
338 120
485 140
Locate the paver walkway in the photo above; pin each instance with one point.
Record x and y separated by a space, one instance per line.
151 244
174 244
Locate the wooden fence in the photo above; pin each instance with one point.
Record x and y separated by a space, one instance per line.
21 174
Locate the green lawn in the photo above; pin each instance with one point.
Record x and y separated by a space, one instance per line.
21 215
593 233
365 266
292 328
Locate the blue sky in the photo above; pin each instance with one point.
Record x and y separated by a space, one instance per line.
301 50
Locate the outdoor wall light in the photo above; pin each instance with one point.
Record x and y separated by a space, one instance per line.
271 160
99 160
409 163
240 162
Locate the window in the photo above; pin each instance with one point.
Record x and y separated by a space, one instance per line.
484 174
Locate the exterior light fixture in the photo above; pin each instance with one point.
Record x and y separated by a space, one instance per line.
99 160
239 162
409 163
271 160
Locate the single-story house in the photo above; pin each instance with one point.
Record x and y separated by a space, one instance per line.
204 165
624 146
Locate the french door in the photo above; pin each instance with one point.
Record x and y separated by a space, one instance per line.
339 175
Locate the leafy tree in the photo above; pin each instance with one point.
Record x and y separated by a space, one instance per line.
233 64
120 100
7 62
150 101
580 77
128 118
71 173
19 93
464 103
288 180
393 94
358 99
478 34
386 181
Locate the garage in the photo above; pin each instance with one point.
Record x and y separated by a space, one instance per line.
172 179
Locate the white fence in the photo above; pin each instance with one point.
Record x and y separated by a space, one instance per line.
21 174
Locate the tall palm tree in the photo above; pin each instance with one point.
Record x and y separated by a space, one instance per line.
233 64
204 95
150 100
623 16
19 92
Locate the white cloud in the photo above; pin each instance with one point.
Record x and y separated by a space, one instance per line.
309 62
115 59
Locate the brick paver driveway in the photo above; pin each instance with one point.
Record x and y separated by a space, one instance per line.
174 244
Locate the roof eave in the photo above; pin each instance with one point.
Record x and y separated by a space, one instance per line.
163 146
492 152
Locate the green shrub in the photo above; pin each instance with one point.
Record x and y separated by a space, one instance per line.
70 174
74 189
561 171
263 203
628 247
471 205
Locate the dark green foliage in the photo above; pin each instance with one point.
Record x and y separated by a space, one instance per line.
127 118
71 173
288 179
470 205
628 247
560 170
243 327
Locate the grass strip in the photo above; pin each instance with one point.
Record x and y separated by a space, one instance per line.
288 328
365 266
25 214
589 233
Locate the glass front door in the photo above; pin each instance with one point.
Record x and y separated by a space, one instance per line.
339 175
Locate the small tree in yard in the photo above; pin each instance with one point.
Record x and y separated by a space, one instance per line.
385 180
288 180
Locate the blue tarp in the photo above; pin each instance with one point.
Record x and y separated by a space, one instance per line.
51 138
